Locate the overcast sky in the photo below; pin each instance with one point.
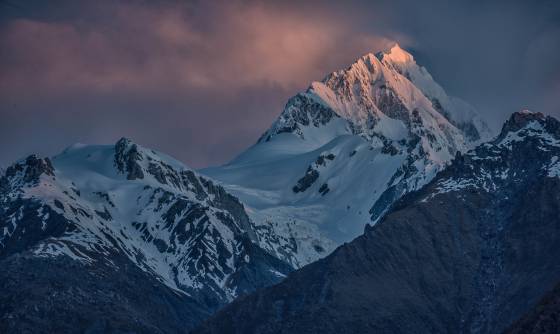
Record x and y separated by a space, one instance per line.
201 80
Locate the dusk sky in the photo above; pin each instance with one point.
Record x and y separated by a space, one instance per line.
202 80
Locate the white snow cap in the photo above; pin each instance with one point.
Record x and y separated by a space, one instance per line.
397 54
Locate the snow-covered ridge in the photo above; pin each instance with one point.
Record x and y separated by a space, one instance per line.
528 125
527 134
388 83
92 201
391 128
457 111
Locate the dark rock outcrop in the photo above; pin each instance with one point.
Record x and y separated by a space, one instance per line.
126 159
300 111
312 174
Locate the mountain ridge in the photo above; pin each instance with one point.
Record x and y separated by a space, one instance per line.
127 210
469 252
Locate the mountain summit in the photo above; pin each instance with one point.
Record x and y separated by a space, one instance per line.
342 151
396 54
388 83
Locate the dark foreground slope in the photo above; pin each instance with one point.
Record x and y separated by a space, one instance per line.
61 295
469 253
544 318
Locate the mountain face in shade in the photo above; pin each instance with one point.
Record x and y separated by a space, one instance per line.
471 252
341 152
134 230
543 318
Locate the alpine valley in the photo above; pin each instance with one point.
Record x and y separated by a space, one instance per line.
375 203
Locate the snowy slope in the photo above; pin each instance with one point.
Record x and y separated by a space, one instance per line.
457 111
92 202
341 152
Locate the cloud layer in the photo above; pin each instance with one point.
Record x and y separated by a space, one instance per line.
202 80
152 49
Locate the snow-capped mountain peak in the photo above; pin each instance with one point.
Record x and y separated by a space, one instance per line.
137 162
97 203
389 84
396 54
457 111
389 128
26 171
529 144
527 126
522 119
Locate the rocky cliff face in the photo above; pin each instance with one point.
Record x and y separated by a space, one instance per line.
131 227
471 252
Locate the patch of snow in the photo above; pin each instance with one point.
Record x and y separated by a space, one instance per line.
554 167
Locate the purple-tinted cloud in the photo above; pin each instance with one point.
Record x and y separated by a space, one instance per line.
202 80
153 50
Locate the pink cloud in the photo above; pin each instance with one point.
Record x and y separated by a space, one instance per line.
149 50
